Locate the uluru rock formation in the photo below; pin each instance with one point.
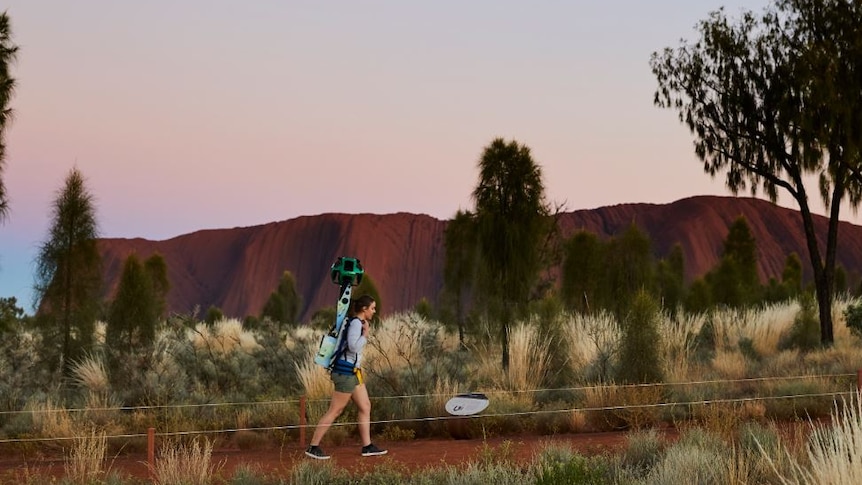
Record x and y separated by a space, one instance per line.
236 269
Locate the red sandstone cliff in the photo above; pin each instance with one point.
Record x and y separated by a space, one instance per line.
236 269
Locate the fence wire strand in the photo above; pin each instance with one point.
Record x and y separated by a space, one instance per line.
704 402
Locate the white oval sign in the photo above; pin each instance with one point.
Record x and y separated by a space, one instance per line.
467 404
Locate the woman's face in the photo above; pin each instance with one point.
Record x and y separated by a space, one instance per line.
369 311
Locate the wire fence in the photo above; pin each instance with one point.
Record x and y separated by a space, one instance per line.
833 395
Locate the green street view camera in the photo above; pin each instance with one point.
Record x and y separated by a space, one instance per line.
347 271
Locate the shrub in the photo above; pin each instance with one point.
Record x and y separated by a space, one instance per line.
798 404
643 450
85 461
622 407
640 359
697 459
804 334
853 317
186 463
578 469
555 418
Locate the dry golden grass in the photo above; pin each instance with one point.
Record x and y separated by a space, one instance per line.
736 469
51 420
529 362
589 336
90 374
99 331
529 358
85 461
444 389
679 336
185 463
315 379
224 337
838 359
762 327
578 421
769 325
304 334
395 343
834 452
784 363
621 407
729 364
724 419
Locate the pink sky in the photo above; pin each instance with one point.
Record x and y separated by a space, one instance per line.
211 114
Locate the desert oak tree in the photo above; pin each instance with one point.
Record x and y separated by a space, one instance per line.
512 222
774 100
8 53
68 274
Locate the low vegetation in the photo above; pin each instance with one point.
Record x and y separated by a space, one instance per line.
726 379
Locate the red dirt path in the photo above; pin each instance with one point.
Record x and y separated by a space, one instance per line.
414 455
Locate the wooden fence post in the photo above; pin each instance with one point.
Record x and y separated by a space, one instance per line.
151 451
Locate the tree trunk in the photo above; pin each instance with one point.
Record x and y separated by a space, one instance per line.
504 339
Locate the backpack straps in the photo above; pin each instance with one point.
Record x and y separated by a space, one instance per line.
342 344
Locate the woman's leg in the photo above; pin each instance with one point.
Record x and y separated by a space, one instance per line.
363 403
336 406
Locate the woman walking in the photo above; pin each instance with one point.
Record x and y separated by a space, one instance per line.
347 377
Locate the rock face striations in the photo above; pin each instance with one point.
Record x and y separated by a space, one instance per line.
236 269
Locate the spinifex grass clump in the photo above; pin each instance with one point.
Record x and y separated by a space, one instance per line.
592 342
185 463
85 461
834 452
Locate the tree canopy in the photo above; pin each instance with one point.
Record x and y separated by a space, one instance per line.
8 54
69 276
512 221
775 100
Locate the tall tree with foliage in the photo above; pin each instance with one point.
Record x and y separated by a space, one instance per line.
285 303
8 53
459 266
68 275
512 222
670 279
134 313
132 321
629 268
791 275
583 271
157 270
11 315
735 282
774 100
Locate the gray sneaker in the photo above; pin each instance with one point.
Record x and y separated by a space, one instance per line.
372 450
316 453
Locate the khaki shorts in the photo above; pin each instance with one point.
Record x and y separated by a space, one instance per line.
345 383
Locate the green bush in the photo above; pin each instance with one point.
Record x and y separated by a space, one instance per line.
853 316
578 469
643 450
804 334
640 358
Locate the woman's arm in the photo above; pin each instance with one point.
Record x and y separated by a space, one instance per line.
355 336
